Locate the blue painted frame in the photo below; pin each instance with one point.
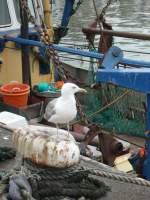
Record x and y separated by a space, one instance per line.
68 8
136 79
96 55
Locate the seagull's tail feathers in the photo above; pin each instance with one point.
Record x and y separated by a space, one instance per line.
45 116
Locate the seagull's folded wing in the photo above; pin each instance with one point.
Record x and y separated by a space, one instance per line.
50 109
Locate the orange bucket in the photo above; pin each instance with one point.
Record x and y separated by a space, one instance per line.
15 94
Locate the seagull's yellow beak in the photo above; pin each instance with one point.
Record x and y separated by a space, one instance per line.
82 90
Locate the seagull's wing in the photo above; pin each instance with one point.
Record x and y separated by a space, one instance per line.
50 109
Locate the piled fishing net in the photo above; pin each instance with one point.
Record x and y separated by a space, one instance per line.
126 116
7 153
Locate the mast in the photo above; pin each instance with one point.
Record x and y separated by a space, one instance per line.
48 22
48 17
26 74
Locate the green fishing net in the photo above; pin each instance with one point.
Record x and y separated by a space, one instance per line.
126 116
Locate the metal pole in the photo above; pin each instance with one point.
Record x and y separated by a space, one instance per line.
26 75
48 17
116 33
146 167
96 55
67 13
48 22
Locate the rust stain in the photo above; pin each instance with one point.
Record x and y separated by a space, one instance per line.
45 153
45 149
33 158
16 137
27 140
61 151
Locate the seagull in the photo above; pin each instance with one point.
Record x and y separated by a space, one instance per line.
63 109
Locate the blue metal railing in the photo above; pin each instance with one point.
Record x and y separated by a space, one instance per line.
96 55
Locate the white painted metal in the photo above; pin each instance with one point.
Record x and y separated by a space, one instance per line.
41 145
15 25
12 120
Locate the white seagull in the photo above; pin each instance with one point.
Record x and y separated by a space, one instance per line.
63 109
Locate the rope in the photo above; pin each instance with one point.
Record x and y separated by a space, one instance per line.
71 182
77 6
141 52
100 18
71 58
81 182
103 12
45 38
99 22
32 170
85 46
109 104
136 181
105 107
78 169
7 153
128 140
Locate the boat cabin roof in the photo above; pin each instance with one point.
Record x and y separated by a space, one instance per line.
10 15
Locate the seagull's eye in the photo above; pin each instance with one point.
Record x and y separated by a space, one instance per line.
74 87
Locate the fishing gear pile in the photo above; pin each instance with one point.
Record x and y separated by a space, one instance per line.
7 153
43 183
74 183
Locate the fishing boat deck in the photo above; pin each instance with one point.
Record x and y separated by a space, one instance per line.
119 189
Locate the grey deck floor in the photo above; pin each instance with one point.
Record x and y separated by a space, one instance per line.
119 190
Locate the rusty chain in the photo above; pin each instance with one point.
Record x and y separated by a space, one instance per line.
103 12
100 17
77 6
45 38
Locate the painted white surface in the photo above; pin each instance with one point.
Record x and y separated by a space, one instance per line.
41 145
12 120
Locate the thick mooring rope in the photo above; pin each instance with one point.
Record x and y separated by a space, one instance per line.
32 170
53 174
73 182
137 181
115 176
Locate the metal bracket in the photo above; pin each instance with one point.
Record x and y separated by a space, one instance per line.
112 58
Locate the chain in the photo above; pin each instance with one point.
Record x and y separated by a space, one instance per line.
77 6
82 115
103 12
100 17
25 7
45 38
